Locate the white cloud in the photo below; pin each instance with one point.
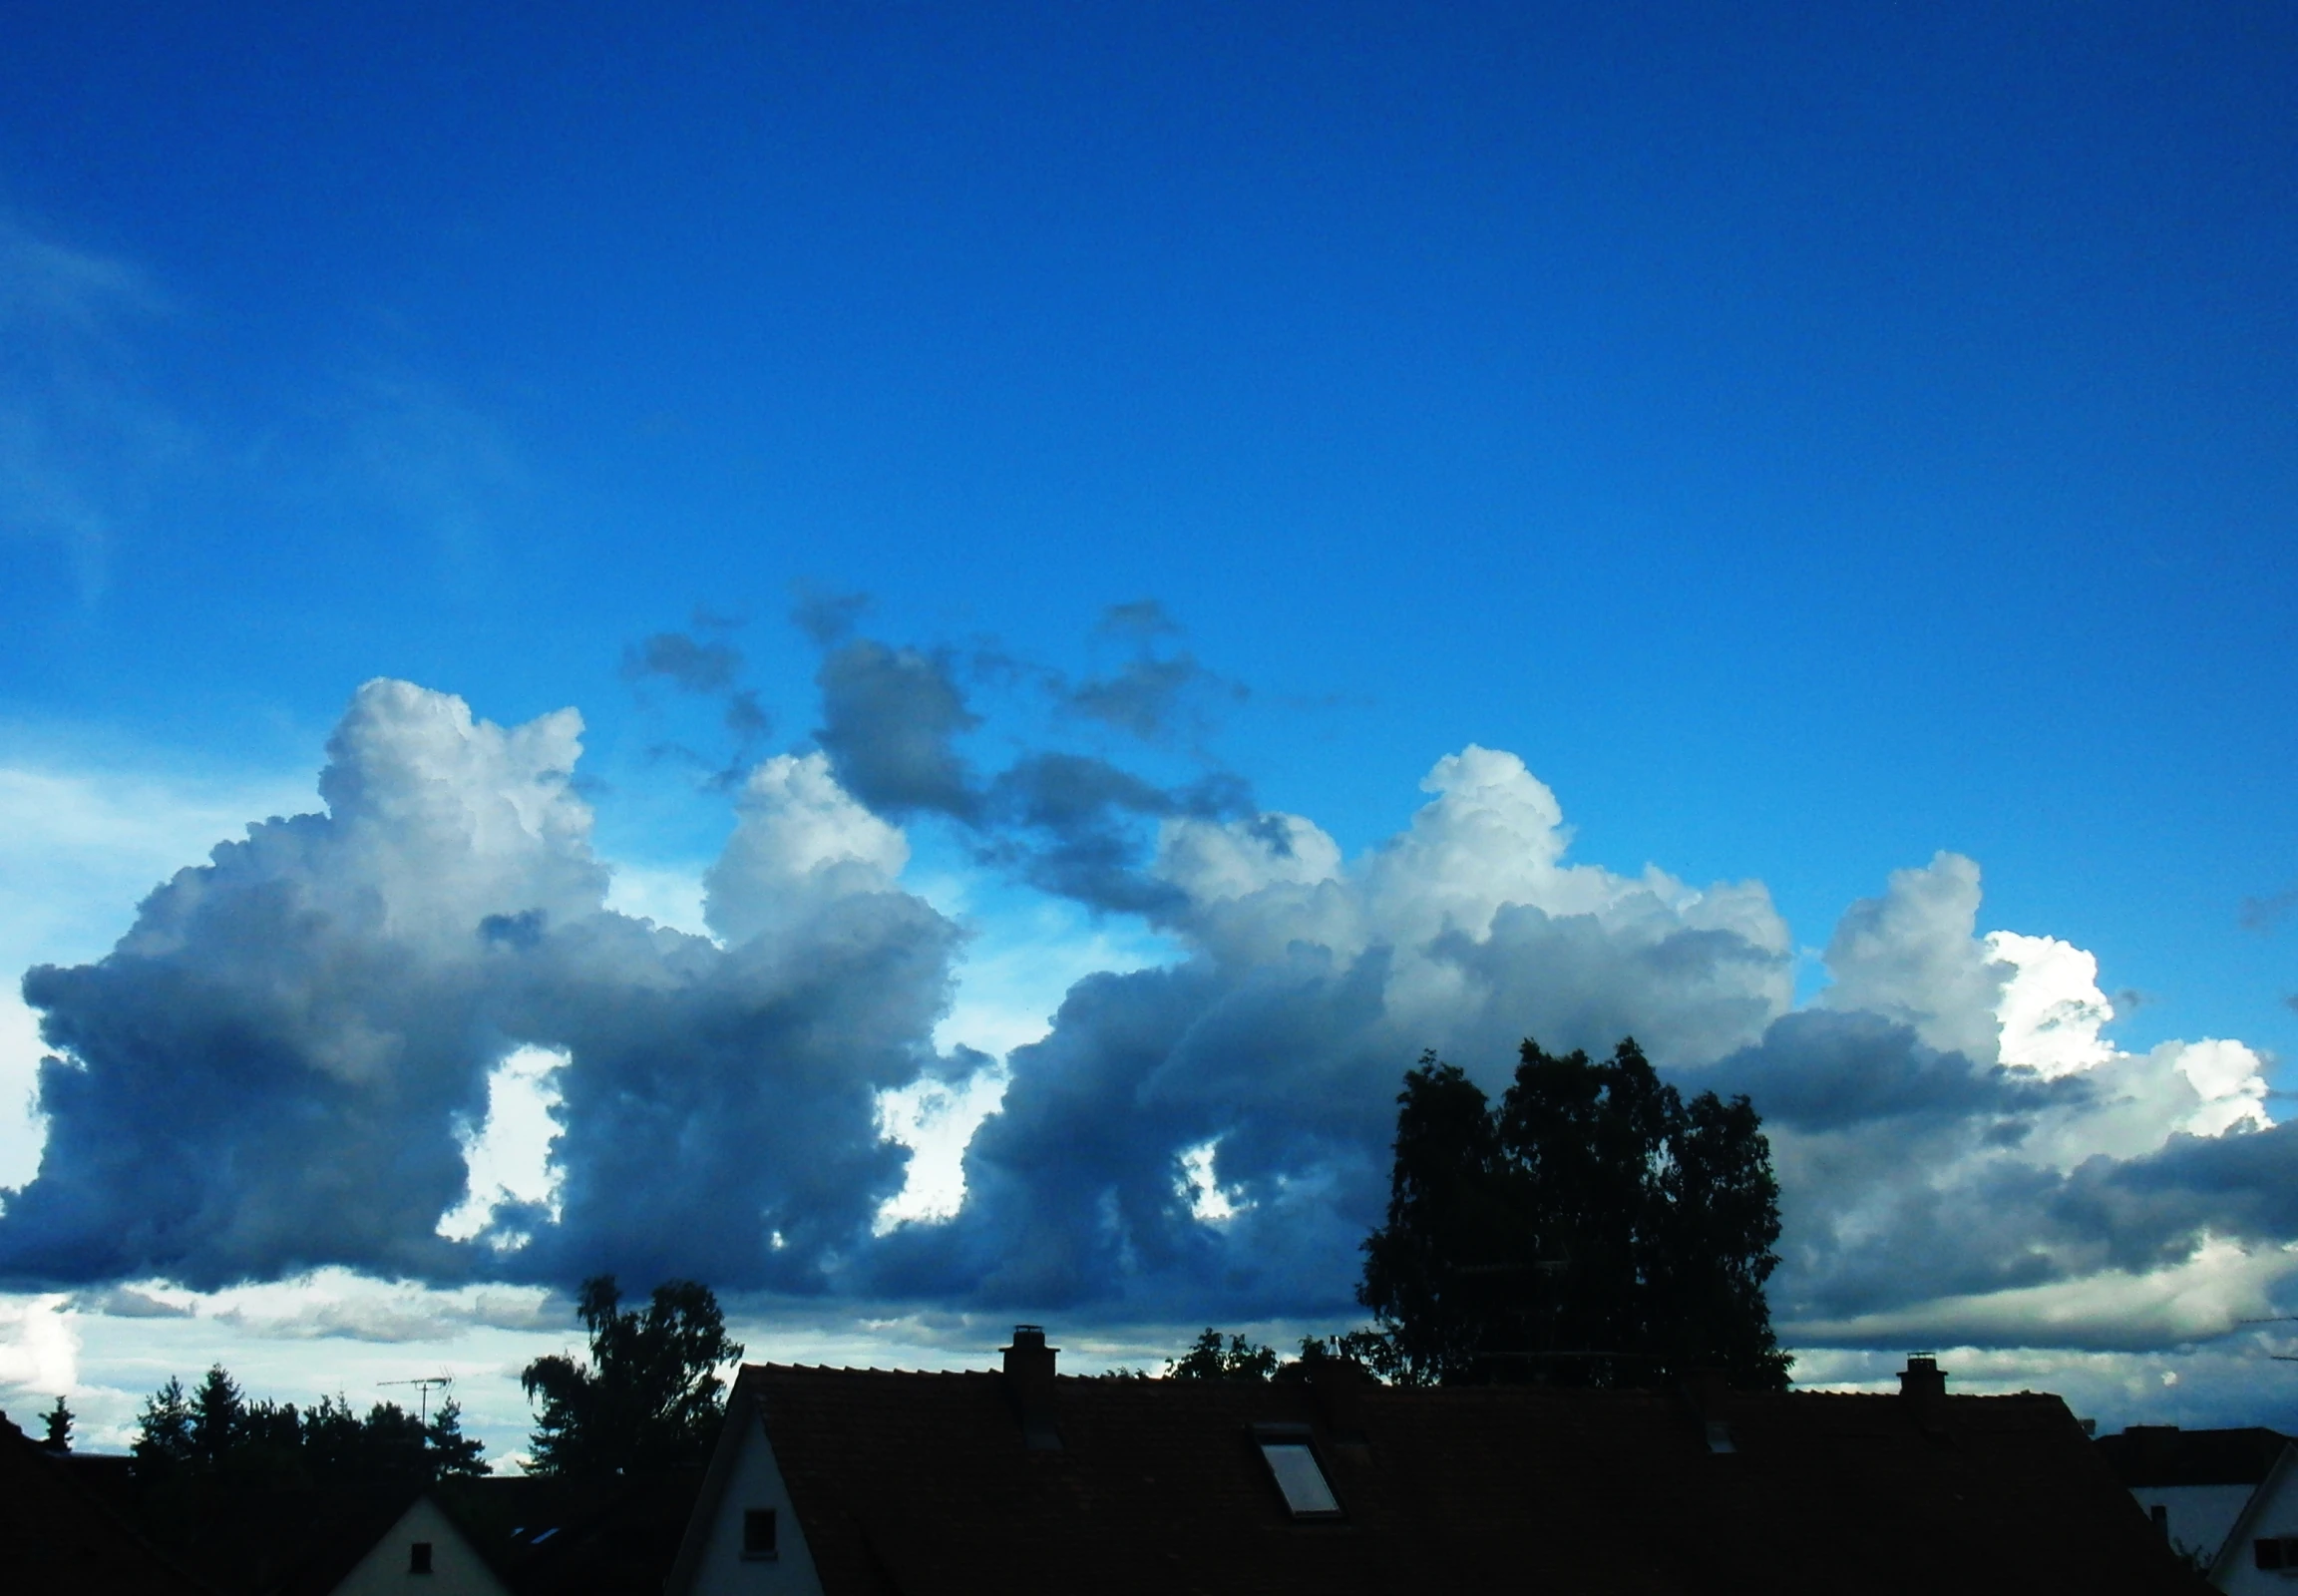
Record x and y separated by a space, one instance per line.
2050 1010
2230 1079
1912 955
39 1347
800 842
2204 1297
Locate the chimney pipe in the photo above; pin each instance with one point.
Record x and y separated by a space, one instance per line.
1029 1384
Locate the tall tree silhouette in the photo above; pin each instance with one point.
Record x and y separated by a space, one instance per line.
218 1413
1592 1229
648 1397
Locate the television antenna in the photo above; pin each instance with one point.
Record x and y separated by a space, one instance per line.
2275 1319
422 1386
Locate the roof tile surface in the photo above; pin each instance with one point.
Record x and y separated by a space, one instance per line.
907 1483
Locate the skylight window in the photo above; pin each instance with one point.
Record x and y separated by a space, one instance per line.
1298 1475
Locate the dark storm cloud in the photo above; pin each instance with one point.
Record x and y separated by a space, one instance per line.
891 718
706 667
827 618
2156 1209
723 1125
1074 1188
1824 1070
1074 824
1149 697
688 663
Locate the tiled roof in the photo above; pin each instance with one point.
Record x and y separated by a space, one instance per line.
2165 1454
55 1535
254 1541
907 1484
543 1537
576 1537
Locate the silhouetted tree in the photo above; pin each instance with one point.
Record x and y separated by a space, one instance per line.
1213 1356
163 1431
215 1414
1595 1229
216 1440
1207 1359
59 1436
448 1452
648 1399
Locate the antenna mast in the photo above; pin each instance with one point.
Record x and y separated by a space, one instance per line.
422 1386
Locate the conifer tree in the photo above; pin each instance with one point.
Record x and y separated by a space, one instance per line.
215 1415
164 1430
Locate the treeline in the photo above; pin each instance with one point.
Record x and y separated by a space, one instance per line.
648 1398
213 1431
1214 1357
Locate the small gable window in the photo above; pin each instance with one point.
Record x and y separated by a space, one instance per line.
1299 1478
419 1558
2276 1551
758 1532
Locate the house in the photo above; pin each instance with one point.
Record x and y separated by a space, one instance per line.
864 1482
422 1551
2225 1498
57 1536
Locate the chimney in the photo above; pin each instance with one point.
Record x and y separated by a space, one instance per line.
1029 1384
1708 1389
1923 1387
1337 1385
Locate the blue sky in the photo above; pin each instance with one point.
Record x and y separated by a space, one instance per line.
1809 438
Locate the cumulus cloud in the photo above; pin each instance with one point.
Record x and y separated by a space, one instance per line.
1962 1146
286 1063
1271 1053
277 1068
1960 1191
801 845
